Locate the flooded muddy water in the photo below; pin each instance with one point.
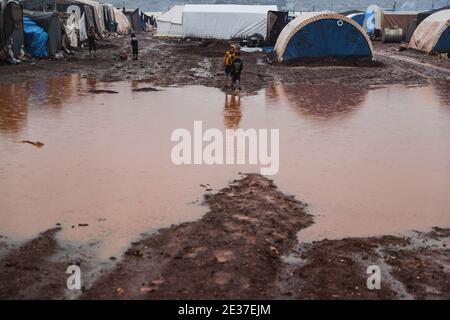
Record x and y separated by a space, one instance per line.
368 162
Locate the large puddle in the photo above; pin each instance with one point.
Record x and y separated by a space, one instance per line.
368 162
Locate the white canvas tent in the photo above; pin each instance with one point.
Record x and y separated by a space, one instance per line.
433 34
170 22
225 21
123 25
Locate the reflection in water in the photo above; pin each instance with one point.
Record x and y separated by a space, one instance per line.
106 161
13 108
232 111
443 91
323 101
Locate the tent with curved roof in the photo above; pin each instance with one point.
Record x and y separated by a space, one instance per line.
123 25
423 15
170 23
323 35
433 34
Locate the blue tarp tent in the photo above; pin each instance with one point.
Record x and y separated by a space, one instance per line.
35 39
323 35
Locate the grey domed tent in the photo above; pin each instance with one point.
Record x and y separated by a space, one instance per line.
51 23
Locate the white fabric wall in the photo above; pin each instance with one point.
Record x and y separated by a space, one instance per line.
430 30
224 21
169 24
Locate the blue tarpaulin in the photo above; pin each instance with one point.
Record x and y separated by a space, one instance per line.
35 39
327 38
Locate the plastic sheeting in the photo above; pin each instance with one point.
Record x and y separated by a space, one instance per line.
225 21
51 23
71 30
35 39
319 35
379 19
12 27
358 17
433 34
276 21
83 29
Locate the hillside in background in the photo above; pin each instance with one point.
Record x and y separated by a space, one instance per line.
297 5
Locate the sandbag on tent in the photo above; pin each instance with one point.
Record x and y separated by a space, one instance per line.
323 35
35 39
169 24
227 21
51 23
123 25
12 27
433 34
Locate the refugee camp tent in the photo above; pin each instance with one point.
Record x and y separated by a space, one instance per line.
135 19
51 23
433 34
227 21
108 17
91 10
423 15
35 39
321 35
12 26
276 21
377 19
98 14
123 25
170 23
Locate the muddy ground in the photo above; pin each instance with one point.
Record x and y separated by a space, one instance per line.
246 245
169 62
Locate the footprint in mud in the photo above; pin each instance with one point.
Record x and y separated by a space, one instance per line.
102 91
37 144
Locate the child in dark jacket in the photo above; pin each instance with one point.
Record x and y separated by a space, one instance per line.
134 46
236 69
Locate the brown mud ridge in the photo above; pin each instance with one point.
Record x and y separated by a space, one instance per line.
245 247
170 62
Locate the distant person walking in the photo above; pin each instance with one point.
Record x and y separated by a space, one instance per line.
91 41
134 46
236 69
228 61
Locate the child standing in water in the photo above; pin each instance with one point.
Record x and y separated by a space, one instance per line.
91 40
134 46
236 70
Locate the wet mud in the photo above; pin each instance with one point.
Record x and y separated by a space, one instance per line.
244 247
170 62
